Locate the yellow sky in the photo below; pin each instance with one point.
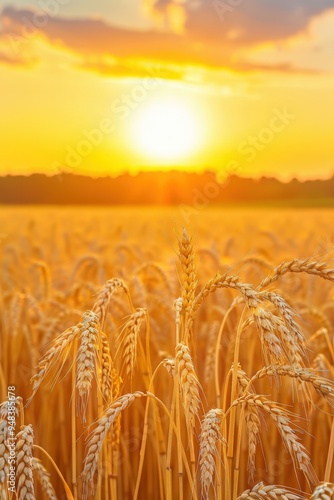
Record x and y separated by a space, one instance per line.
261 104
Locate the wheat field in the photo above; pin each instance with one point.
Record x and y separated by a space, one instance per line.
142 356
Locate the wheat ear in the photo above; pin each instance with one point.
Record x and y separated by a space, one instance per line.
261 492
300 456
308 266
188 271
3 452
209 438
24 474
43 477
96 438
323 386
130 335
103 297
87 357
58 351
189 383
108 372
323 491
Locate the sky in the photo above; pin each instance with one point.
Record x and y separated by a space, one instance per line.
105 87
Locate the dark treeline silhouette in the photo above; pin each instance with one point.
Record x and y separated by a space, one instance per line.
162 188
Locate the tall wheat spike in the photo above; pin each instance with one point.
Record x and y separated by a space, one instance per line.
96 438
188 271
299 455
24 456
130 335
87 358
209 438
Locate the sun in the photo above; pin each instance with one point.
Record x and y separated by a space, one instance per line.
167 131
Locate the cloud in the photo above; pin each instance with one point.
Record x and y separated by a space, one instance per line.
210 37
13 61
115 69
242 21
170 14
250 22
96 38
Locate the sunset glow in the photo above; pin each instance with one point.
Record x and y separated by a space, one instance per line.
142 73
167 131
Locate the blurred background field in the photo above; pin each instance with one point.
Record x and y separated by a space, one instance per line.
55 260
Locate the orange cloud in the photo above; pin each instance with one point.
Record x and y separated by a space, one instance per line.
13 61
208 41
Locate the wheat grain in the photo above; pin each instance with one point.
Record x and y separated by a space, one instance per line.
169 364
178 309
